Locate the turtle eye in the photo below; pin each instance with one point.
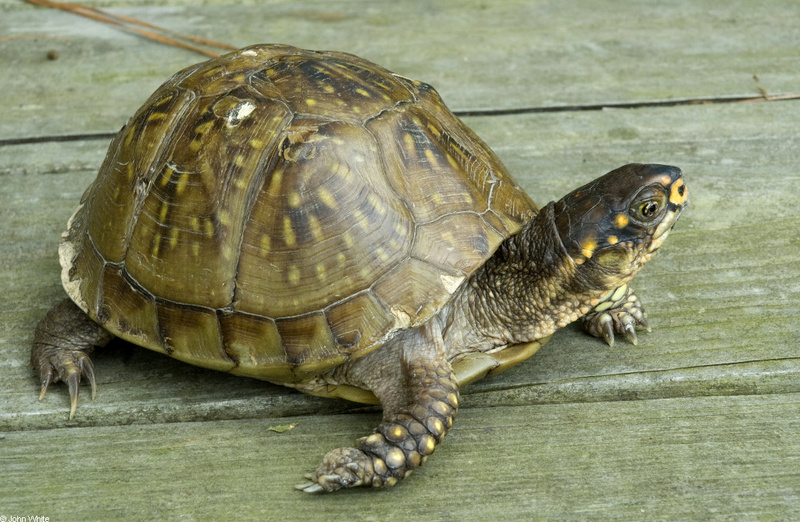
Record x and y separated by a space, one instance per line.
649 209
648 204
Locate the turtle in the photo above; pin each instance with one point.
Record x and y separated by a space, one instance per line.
314 220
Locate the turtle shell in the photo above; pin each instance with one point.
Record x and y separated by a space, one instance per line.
274 212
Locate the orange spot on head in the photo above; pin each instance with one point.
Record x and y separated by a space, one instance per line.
678 194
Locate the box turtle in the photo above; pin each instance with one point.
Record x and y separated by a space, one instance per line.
314 220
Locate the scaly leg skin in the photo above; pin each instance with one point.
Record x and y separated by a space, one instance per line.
407 435
619 312
61 346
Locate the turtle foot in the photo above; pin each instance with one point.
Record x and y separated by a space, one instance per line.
69 366
341 468
620 313
61 346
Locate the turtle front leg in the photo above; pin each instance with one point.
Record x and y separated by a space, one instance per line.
418 412
620 311
62 343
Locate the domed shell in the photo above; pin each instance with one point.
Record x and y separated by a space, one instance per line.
274 212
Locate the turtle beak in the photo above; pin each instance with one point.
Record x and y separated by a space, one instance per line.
678 200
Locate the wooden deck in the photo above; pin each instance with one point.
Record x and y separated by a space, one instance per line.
701 420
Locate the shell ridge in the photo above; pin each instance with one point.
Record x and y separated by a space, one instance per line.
147 183
385 165
265 166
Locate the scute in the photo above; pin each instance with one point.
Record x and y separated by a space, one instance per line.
274 212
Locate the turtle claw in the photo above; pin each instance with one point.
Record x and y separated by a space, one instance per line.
621 317
46 381
310 487
644 324
607 330
630 334
69 366
340 468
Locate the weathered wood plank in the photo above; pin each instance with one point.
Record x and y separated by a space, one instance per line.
706 458
480 56
698 421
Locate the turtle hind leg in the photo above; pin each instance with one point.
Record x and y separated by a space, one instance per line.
620 311
418 412
62 343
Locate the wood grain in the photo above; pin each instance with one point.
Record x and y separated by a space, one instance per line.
698 421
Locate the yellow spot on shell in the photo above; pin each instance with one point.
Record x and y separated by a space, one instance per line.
613 240
163 100
275 182
327 198
239 160
166 176
294 199
224 217
348 239
460 152
227 252
195 224
434 131
316 228
129 136
156 116
362 220
156 244
257 144
203 127
410 143
294 275
162 215
431 157
321 272
377 204
173 237
328 88
183 181
311 102
382 255
288 232
212 71
620 220
196 249
195 145
131 170
341 259
265 245
209 228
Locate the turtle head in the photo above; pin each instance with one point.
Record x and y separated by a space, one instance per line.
613 225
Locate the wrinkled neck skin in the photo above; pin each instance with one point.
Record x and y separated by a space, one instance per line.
527 290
